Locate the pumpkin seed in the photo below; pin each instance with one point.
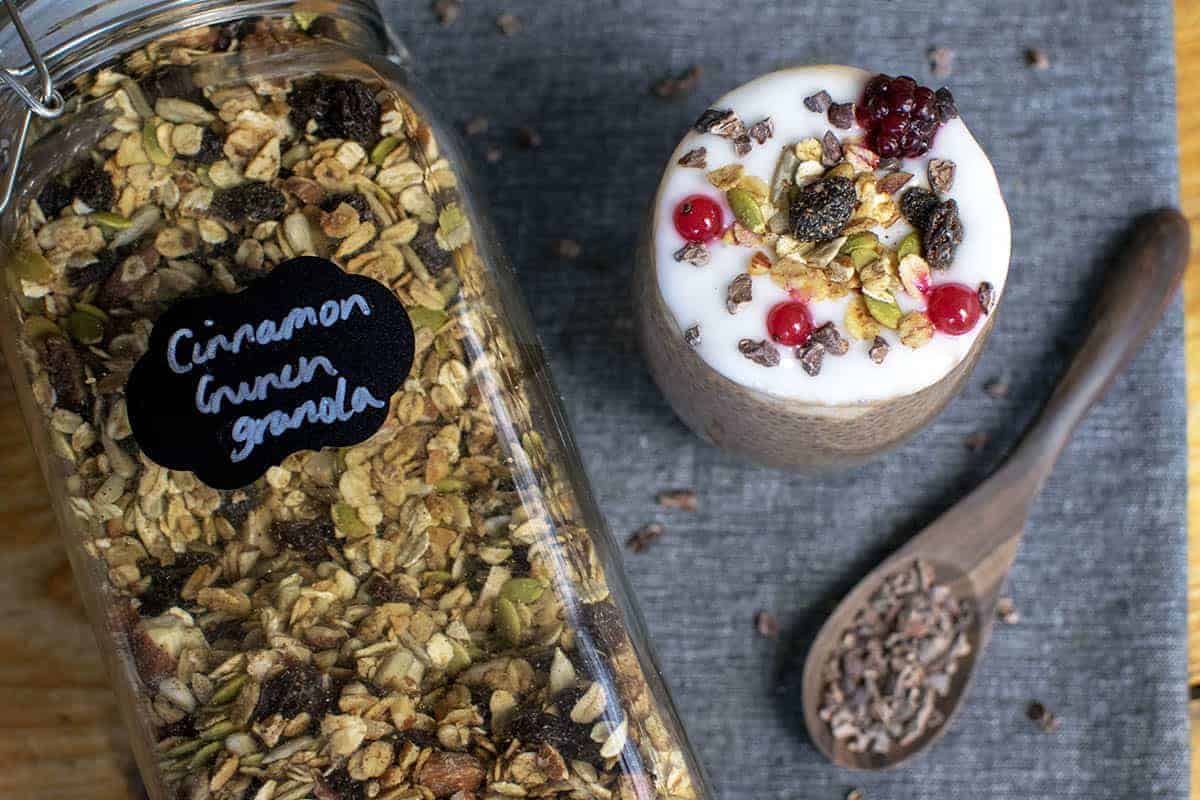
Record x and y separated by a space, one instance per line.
228 691
508 621
858 241
84 327
448 485
111 220
461 660
746 209
431 318
348 522
204 755
183 749
863 256
886 313
37 327
88 308
436 576
381 151
522 590
218 731
150 144
909 245
32 266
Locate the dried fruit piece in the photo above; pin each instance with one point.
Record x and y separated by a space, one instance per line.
885 312
820 210
942 235
249 202
917 205
746 209
761 352
341 109
914 274
94 187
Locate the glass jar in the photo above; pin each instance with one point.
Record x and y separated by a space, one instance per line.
426 606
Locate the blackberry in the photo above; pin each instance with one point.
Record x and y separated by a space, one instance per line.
249 202
342 109
211 148
902 117
820 210
93 186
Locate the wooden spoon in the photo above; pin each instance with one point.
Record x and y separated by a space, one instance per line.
972 546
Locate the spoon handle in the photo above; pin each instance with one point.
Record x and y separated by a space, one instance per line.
1140 285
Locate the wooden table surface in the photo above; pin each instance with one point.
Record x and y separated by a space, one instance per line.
60 736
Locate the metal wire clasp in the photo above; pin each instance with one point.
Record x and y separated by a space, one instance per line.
48 103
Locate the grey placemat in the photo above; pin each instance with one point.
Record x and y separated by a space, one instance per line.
1079 149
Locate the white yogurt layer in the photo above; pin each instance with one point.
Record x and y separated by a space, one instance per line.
696 295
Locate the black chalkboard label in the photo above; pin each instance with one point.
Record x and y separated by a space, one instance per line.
306 357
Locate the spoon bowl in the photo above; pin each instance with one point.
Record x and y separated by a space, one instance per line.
972 546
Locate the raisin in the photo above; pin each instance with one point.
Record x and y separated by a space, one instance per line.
65 370
95 272
943 235
820 210
602 621
211 148
518 562
230 629
183 728
299 688
917 205
425 245
565 700
93 186
54 197
342 109
338 785
172 80
352 199
531 726
237 504
166 581
249 202
307 537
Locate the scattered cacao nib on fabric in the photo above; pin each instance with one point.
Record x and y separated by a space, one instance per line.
987 296
831 150
694 253
878 350
976 441
447 11
692 335
1044 718
697 157
819 211
996 388
1037 59
854 794
941 61
493 154
841 115
739 292
1006 611
568 249
762 130
893 182
509 24
678 86
831 339
677 499
641 539
941 174
476 126
759 351
819 102
529 138
811 356
766 625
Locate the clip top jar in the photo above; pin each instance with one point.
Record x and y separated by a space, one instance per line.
325 514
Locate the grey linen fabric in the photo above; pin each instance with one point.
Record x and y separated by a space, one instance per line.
1080 149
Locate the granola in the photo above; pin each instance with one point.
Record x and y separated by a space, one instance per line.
424 614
